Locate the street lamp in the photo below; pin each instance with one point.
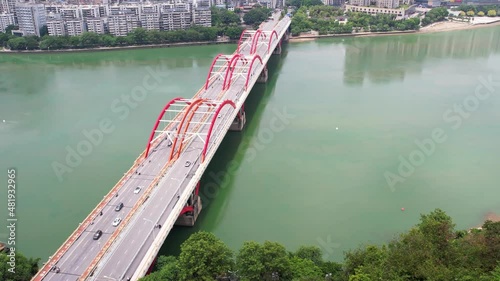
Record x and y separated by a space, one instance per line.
154 225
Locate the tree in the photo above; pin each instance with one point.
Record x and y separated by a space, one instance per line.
304 269
256 16
167 270
224 17
492 13
204 257
31 42
275 260
249 261
25 268
480 14
309 3
11 27
492 243
438 228
4 37
17 43
312 253
90 39
44 31
470 13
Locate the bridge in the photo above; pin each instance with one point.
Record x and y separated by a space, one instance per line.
121 237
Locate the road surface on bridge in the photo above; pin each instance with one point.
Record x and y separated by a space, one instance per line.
124 255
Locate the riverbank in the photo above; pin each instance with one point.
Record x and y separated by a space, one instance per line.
102 49
435 27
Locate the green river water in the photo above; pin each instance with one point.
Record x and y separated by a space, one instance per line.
335 118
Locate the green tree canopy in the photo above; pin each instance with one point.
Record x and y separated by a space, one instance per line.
204 257
256 16
25 268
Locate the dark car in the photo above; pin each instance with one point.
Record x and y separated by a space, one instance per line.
98 234
119 207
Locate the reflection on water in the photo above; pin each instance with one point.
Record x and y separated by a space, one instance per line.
384 59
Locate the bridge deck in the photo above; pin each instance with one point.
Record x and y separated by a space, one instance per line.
127 251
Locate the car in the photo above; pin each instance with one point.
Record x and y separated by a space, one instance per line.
169 143
187 164
219 116
137 189
117 221
97 234
119 207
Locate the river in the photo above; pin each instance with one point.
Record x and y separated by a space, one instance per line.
336 120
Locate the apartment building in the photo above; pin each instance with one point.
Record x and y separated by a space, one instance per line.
7 6
176 16
6 20
31 18
74 27
360 3
375 10
96 25
118 19
150 17
56 28
93 11
202 17
333 2
117 25
389 4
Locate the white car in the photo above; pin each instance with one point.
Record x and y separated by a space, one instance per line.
187 164
117 221
137 189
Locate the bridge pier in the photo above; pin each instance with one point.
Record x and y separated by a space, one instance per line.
277 50
263 76
188 218
238 122
286 36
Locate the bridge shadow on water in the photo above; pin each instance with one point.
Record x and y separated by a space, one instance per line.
218 180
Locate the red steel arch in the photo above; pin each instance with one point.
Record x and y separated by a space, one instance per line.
158 123
186 209
214 119
255 40
250 68
192 113
212 67
187 110
230 70
242 39
271 40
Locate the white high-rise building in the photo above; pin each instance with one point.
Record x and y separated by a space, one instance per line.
7 6
95 25
6 20
202 17
74 27
56 28
31 18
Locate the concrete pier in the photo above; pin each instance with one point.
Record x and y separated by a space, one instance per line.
277 51
238 124
263 76
189 218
